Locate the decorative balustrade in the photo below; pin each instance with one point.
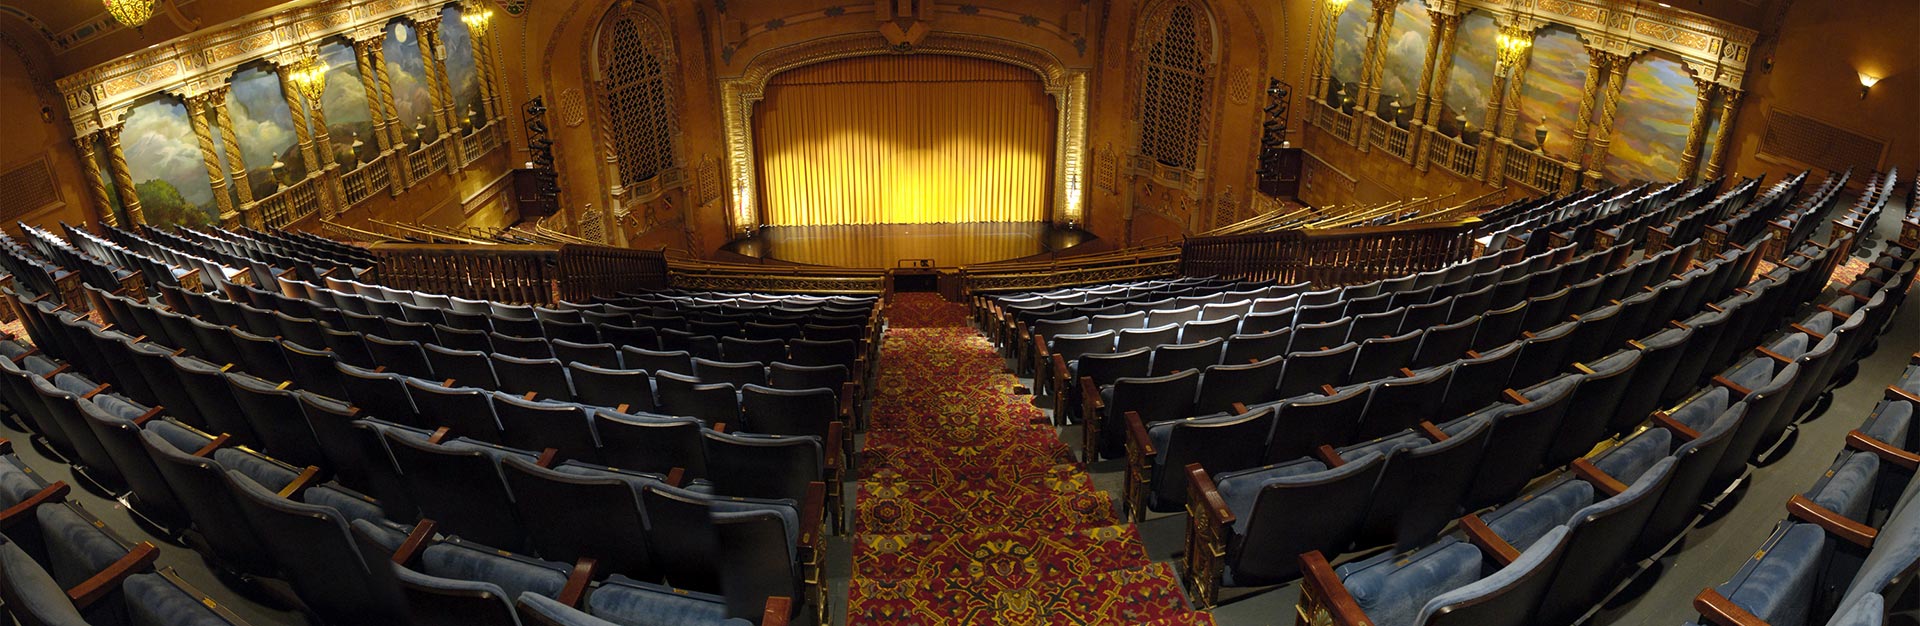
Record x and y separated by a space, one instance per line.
587 271
1387 135
418 161
1328 257
436 156
1133 264
1537 171
520 274
709 276
370 178
1452 154
288 204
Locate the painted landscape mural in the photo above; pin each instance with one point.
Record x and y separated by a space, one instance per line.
169 173
1470 82
1650 132
264 125
1406 58
345 104
407 73
1349 46
462 74
1552 94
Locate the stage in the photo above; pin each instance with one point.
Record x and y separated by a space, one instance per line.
906 245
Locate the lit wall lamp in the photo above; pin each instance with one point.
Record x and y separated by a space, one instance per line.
1867 82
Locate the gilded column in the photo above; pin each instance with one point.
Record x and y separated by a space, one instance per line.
1323 67
483 57
435 52
1381 28
428 31
1510 112
297 106
197 110
1583 125
1436 96
1729 107
402 165
1488 123
1697 129
1603 125
122 178
89 151
236 162
363 55
1439 54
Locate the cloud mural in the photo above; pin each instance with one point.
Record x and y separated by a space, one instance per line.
1650 130
1555 77
462 73
407 73
1349 48
163 158
345 104
1470 82
1406 57
264 125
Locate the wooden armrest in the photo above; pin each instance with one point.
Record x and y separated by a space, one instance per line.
1887 452
1835 312
1525 334
1137 434
813 511
1635 344
1602 482
720 427
1515 397
1473 354
1328 390
300 483
848 391
1731 386
576 588
1201 483
1432 432
449 383
1896 393
1319 579
779 610
216 444
416 541
1715 308
1680 431
1582 368
1855 295
676 477
55 492
1678 324
1090 395
1720 611
148 416
95 391
138 560
548 458
835 434
59 370
1239 409
1328 455
439 435
1490 544
1816 335
1406 373
33 351
1856 533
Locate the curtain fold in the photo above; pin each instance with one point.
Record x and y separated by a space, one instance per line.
905 140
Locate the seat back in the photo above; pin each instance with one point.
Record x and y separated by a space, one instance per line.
343 580
1150 337
762 466
1521 434
1268 548
612 388
1304 423
1446 342
756 562
460 486
530 425
1509 597
1399 403
464 410
1598 539
1251 383
570 516
276 421
1172 359
201 485
1309 372
1382 357
546 377
654 445
788 411
400 357
1219 444
738 374
687 396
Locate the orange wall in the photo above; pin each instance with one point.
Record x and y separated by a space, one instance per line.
30 137
1821 48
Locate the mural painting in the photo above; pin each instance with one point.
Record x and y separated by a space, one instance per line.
1349 52
264 125
1552 95
169 173
1470 82
1406 50
407 73
344 104
1650 132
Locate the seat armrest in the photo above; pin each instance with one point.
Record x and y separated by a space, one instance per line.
849 391
1720 611
1805 510
835 432
1597 477
23 509
813 510
217 443
1324 598
416 541
778 612
1896 393
1092 408
307 478
138 560
1678 430
1209 524
1886 451
1140 458
1490 544
576 588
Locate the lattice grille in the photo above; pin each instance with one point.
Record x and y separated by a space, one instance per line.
1173 105
635 60
28 187
1820 144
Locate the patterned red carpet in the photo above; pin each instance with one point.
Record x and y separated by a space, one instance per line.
970 513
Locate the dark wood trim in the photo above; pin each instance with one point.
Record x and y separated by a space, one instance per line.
1137 434
548 458
1433 432
779 610
813 510
1599 478
1201 483
218 442
416 541
139 559
1886 451
1805 510
301 483
1680 431
1738 390
56 492
1720 611
1323 585
576 588
1490 544
1329 456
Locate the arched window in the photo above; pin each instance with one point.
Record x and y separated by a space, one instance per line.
1173 99
636 72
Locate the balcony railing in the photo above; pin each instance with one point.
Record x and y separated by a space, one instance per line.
1453 154
436 155
370 178
1536 170
1388 136
289 203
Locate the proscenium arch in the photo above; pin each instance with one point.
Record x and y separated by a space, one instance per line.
1068 86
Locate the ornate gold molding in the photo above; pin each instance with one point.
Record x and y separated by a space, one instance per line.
1713 50
1067 85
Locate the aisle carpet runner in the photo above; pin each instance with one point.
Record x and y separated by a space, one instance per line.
971 513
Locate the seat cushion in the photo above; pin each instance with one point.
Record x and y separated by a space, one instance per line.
1392 591
1894 551
1890 422
1868 610
1524 522
513 574
558 613
632 603
41 595
152 600
1700 410
1533 558
1241 489
1628 461
269 474
352 506
1847 487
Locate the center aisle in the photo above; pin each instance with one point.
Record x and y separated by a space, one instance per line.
969 512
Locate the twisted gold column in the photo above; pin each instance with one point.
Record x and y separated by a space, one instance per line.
1435 98
1603 126
197 109
370 83
1729 107
90 160
483 55
1382 24
402 168
236 162
1509 117
1697 129
122 179
1583 125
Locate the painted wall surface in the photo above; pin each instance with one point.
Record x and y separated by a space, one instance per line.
1349 49
1470 82
1551 98
264 125
407 73
345 104
168 170
463 76
1650 130
31 137
1406 50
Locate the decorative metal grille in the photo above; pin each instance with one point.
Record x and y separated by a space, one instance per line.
1174 99
636 62
28 187
1815 142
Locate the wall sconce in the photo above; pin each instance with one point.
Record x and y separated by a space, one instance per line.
1867 82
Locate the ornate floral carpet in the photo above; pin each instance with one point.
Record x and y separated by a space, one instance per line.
970 512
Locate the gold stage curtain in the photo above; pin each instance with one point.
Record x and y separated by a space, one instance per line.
911 139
